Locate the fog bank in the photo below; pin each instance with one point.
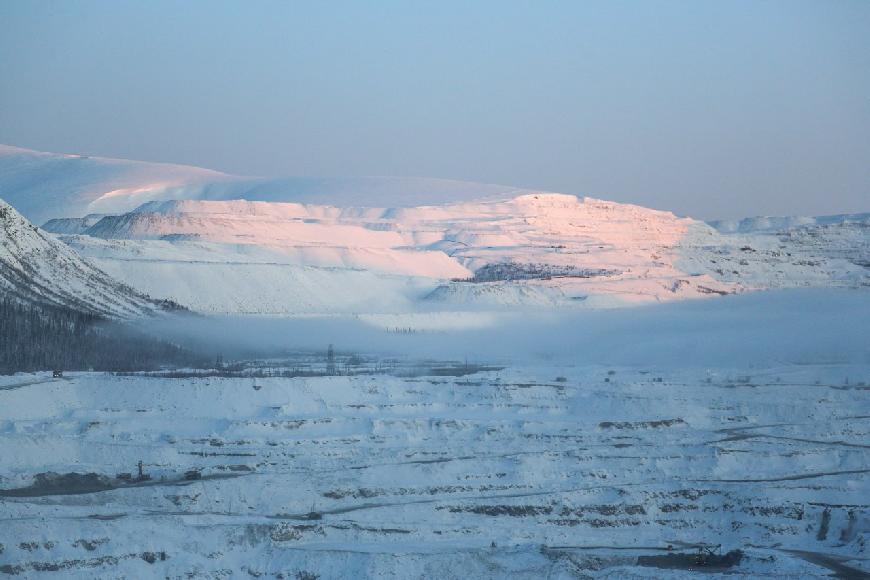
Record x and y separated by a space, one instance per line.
781 327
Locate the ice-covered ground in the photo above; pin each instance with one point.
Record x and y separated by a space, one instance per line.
530 471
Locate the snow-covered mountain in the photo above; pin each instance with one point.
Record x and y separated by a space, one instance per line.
533 250
35 267
766 224
72 225
43 186
799 252
49 185
223 244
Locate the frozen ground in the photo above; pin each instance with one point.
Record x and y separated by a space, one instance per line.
530 471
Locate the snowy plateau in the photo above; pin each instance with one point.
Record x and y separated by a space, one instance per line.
525 384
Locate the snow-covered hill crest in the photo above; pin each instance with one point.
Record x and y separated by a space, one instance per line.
44 186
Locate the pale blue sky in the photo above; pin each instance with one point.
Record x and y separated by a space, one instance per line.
713 109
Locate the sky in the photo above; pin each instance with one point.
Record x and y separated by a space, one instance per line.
714 109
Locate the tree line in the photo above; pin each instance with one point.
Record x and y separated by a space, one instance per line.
47 337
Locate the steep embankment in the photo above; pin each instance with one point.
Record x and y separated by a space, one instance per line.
37 268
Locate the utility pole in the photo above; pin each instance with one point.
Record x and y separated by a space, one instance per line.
330 361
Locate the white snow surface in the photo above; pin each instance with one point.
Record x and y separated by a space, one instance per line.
769 224
531 471
35 267
535 250
557 250
44 186
406 246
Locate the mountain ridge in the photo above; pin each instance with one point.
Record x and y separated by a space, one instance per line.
36 268
45 186
262 247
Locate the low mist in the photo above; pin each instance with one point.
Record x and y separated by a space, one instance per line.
765 328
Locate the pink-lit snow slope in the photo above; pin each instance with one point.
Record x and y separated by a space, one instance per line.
535 249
